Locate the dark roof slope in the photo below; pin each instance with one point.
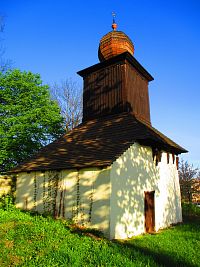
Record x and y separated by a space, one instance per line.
113 60
98 142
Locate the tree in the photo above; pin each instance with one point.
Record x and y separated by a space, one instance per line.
188 176
69 97
29 118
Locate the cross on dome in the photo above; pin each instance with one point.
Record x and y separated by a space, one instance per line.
114 25
114 43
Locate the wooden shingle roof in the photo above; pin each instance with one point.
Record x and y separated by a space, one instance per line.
98 143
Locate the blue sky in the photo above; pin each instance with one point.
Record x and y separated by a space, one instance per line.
59 38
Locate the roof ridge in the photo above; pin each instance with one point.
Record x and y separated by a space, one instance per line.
161 135
98 142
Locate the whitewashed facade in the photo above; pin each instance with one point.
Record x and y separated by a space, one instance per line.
109 199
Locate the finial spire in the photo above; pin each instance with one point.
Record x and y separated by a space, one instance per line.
113 15
114 25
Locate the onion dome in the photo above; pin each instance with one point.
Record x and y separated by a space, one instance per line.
114 43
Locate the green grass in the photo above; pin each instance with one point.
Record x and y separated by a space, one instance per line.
32 240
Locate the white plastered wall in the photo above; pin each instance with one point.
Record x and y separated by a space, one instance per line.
25 190
111 199
168 201
83 195
131 175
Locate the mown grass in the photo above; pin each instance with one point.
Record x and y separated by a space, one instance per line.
32 240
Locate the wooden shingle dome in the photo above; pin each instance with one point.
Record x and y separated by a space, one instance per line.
114 43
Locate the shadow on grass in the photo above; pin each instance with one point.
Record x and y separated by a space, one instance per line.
93 233
130 248
191 219
160 258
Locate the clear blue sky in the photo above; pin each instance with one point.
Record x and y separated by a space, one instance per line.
59 38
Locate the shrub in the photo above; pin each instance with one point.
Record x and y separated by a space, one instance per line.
190 209
7 202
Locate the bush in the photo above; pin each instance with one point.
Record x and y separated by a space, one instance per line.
7 202
190 209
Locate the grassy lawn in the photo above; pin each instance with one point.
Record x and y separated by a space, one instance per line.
27 240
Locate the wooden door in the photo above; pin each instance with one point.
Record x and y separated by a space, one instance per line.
149 209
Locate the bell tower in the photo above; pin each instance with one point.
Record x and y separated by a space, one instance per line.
118 83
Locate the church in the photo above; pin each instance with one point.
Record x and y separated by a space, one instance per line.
114 172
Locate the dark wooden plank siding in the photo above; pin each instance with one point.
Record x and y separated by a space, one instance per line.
113 89
103 92
137 93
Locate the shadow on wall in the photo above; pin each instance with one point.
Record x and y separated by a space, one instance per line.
7 185
82 196
173 210
103 93
131 175
109 199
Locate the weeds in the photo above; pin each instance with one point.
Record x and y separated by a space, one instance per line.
28 239
6 202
